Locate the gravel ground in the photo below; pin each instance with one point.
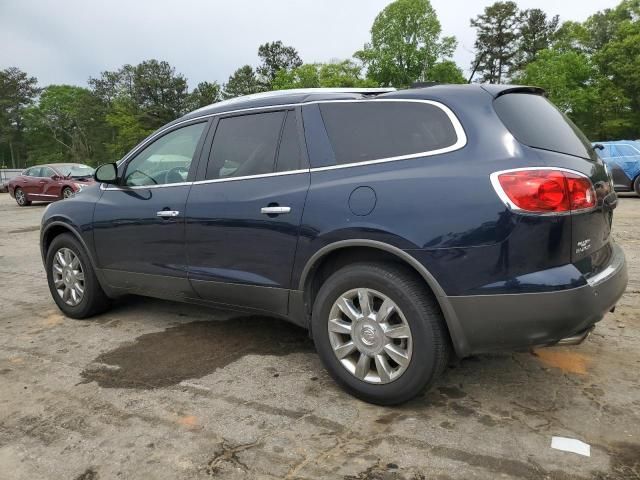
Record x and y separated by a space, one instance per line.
154 389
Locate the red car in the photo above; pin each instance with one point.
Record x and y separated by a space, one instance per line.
48 183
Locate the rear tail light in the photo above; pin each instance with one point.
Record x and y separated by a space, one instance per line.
544 190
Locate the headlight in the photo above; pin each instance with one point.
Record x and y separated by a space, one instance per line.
79 186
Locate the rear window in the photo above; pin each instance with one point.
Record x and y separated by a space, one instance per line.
375 130
536 122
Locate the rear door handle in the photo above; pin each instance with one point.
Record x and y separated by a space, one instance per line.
275 210
168 213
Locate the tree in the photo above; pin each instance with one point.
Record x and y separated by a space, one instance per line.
446 72
205 94
17 92
67 124
405 44
276 56
567 77
535 34
346 73
496 42
242 82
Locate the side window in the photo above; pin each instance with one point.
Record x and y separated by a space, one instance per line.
46 172
627 150
34 172
289 154
245 145
374 130
167 160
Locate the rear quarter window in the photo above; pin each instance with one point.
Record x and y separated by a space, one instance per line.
376 130
535 121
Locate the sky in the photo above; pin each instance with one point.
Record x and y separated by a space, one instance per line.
69 41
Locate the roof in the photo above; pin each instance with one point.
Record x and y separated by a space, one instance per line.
285 97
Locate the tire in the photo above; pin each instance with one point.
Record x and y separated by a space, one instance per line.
636 185
93 300
67 192
21 198
427 346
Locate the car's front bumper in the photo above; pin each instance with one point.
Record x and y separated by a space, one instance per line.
520 320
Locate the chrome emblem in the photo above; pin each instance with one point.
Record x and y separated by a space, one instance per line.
368 335
583 246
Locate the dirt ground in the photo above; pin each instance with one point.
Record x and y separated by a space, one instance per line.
154 389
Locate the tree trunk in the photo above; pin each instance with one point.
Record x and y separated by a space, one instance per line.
13 159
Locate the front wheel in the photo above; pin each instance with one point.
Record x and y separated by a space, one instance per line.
21 198
379 332
72 280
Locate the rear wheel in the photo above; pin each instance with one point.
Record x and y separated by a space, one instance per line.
72 280
379 332
67 192
636 185
21 198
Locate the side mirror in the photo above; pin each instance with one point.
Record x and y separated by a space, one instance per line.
107 173
56 177
598 146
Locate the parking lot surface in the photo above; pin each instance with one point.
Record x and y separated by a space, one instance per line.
154 389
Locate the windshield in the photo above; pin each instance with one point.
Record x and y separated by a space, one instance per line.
75 171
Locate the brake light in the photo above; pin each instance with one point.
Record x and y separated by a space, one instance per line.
544 190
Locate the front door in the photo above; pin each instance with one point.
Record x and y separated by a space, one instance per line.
139 225
46 186
243 217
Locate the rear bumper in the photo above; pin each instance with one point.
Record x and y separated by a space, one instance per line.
513 321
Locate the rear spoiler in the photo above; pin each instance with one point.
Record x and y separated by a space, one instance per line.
498 90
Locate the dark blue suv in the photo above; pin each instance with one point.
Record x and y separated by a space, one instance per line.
397 226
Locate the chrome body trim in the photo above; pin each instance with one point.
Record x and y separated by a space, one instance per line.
457 125
514 208
167 213
275 210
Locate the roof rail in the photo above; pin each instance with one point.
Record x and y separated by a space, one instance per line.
299 91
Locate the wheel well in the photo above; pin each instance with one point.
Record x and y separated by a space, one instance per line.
342 257
52 233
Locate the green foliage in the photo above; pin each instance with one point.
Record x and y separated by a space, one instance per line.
405 44
446 72
346 73
275 57
496 41
243 81
205 94
17 94
67 123
536 33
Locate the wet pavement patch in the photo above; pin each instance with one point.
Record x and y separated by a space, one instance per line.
193 350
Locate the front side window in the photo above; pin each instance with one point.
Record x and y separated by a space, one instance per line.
46 172
167 160
375 130
245 145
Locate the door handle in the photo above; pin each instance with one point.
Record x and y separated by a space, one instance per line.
275 210
168 213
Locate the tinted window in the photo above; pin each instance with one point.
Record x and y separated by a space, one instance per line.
167 160
536 122
289 155
361 131
245 145
627 150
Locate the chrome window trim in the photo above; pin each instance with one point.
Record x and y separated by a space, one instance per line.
461 140
514 208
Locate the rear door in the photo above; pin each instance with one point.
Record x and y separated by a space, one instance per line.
243 216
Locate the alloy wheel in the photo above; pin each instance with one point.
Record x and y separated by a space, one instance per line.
67 193
20 197
68 276
370 336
